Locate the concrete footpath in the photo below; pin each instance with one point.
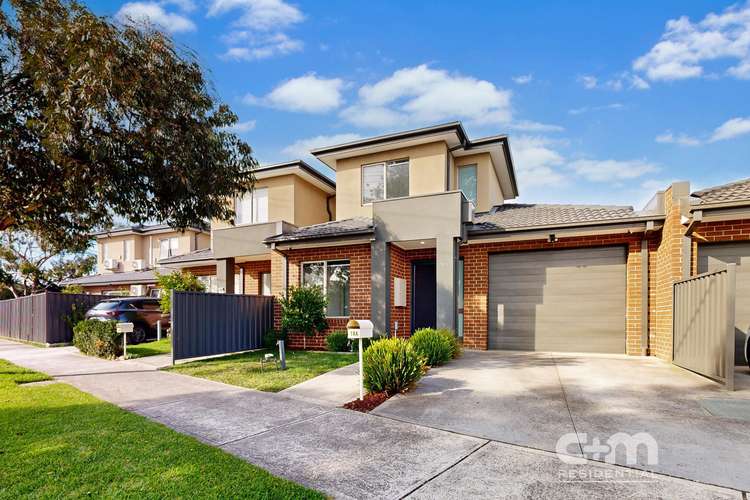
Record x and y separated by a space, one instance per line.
342 453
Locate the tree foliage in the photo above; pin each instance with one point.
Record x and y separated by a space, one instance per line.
180 281
99 120
30 265
303 310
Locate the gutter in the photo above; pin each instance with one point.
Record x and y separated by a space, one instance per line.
592 224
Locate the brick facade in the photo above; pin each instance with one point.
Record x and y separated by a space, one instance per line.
359 285
401 263
717 232
476 281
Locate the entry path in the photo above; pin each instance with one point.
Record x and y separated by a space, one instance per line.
342 453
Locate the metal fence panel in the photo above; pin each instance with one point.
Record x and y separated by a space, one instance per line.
42 317
703 324
208 324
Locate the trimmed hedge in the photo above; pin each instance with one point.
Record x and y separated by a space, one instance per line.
391 365
98 338
337 341
437 347
271 337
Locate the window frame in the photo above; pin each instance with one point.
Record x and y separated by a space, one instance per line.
253 207
325 279
476 180
171 252
384 164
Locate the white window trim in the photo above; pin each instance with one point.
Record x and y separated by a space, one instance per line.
383 164
251 193
170 251
325 277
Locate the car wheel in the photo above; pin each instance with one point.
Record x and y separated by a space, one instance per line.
138 335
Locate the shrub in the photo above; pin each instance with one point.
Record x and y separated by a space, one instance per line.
337 341
271 337
455 342
303 310
433 345
354 344
73 289
98 338
391 365
181 281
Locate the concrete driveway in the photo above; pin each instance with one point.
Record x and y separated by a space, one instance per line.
533 399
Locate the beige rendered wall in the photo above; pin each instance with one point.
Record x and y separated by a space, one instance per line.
115 250
489 192
280 200
309 204
186 242
426 176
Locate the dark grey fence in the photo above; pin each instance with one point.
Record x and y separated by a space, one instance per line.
208 324
703 326
42 317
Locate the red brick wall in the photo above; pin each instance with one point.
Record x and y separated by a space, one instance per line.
253 270
401 261
359 285
718 232
476 271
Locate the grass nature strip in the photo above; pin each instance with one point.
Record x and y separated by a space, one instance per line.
56 441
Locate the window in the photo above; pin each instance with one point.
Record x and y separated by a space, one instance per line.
105 251
333 277
467 182
210 283
265 283
127 250
252 208
382 181
167 247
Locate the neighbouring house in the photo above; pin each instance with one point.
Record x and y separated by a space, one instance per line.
127 257
285 196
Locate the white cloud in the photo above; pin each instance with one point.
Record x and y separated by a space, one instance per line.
421 95
308 94
184 5
586 109
682 139
731 129
241 127
611 170
531 126
685 47
302 147
261 15
588 81
621 81
263 47
537 164
261 26
523 79
154 13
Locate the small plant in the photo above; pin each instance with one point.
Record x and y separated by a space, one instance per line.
303 310
181 281
455 342
435 346
354 344
72 289
391 365
98 338
76 315
271 337
337 341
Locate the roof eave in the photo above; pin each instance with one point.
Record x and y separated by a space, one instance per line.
591 224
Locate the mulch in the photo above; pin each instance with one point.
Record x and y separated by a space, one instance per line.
368 403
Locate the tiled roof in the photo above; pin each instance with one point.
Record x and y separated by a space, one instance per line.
734 191
142 229
346 227
134 277
516 216
196 255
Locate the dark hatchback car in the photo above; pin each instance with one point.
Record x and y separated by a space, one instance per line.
143 312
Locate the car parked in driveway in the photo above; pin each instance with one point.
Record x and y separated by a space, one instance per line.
143 312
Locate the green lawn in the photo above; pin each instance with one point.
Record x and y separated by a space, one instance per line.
244 369
56 441
163 346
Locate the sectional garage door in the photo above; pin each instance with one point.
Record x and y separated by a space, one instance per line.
558 300
715 257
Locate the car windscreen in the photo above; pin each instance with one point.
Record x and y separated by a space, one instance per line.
105 306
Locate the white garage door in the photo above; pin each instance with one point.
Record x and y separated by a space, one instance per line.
714 258
558 300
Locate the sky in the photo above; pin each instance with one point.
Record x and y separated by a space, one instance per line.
603 102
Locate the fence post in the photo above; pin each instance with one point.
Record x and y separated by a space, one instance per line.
731 291
173 330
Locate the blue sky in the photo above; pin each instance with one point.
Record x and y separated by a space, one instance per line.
603 102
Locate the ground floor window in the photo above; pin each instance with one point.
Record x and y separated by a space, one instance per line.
265 283
333 277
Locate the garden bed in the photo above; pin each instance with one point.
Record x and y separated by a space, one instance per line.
371 401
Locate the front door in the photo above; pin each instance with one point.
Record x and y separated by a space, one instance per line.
424 295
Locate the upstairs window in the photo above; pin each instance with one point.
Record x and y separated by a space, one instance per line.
382 181
467 182
252 208
167 247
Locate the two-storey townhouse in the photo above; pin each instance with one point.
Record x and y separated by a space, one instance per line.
285 196
128 256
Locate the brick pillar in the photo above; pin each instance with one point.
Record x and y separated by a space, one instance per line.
225 275
279 282
667 268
